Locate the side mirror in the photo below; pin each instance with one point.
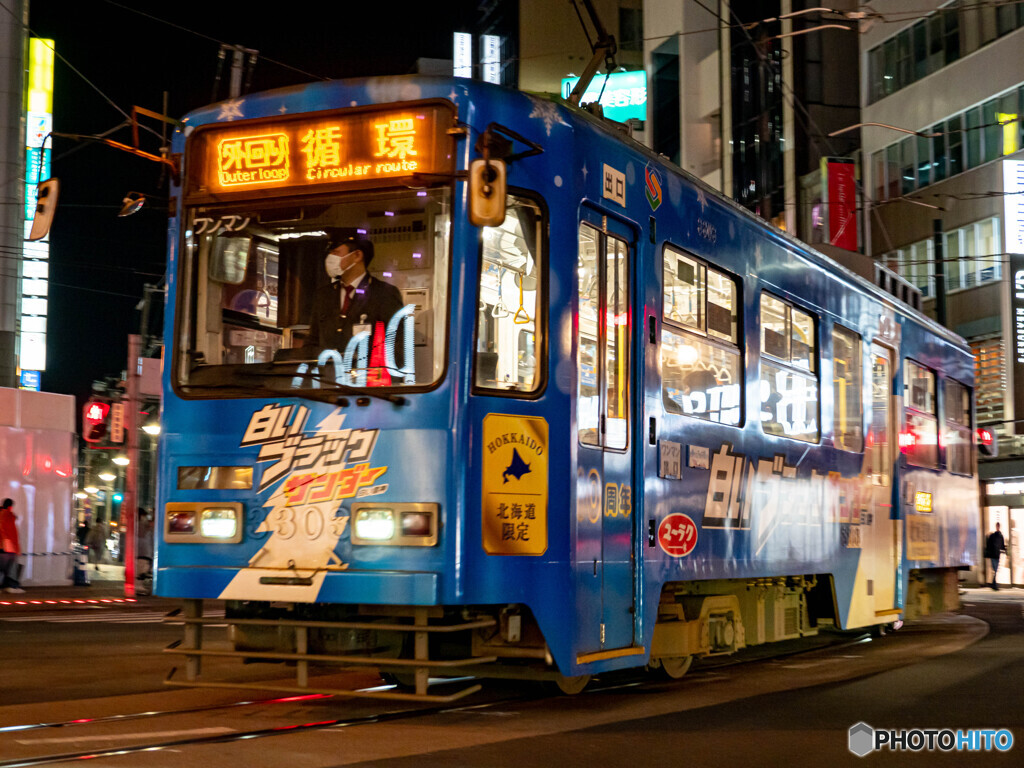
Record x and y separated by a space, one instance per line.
487 191
46 205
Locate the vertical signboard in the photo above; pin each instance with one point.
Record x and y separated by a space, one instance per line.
490 58
840 188
514 485
1013 216
35 268
462 55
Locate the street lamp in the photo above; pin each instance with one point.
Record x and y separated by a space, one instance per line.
849 128
107 477
121 460
91 490
151 428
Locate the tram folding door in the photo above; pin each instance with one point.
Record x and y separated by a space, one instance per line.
884 528
604 431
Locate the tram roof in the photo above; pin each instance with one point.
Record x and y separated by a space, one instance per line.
209 113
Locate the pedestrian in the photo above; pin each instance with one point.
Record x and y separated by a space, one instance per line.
994 548
144 551
10 549
96 541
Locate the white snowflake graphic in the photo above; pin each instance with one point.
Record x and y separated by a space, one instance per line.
548 112
702 198
229 110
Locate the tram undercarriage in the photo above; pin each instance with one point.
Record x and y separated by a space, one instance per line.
412 644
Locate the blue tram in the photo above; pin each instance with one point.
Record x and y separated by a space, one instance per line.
615 420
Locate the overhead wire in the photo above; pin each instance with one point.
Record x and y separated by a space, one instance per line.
191 31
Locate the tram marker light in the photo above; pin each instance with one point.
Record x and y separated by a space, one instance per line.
181 522
417 524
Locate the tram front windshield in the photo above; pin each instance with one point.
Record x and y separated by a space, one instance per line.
264 308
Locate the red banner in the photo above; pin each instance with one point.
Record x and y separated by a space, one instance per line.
842 204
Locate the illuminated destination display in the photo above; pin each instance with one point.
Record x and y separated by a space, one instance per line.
290 154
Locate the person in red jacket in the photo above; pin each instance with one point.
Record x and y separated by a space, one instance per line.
10 548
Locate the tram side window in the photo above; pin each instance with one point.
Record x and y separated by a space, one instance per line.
957 436
919 441
700 356
848 430
508 331
789 383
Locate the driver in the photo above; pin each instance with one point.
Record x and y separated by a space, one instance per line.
354 300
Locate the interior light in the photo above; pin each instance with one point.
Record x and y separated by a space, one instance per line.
686 355
375 524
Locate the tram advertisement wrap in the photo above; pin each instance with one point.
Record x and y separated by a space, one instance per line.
514 485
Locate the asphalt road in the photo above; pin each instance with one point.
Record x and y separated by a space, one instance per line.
956 672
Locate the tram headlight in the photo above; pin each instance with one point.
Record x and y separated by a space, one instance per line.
375 524
218 523
197 522
406 524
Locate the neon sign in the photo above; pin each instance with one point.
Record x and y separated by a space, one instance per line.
290 154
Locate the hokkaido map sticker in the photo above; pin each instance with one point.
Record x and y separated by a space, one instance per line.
514 486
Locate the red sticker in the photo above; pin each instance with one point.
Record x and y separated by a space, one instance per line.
677 535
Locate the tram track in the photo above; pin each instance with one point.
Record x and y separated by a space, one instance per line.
226 736
165 733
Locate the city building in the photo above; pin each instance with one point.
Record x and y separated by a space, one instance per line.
744 95
942 91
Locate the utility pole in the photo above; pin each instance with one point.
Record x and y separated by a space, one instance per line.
130 502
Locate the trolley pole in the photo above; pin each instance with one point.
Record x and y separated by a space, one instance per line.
130 502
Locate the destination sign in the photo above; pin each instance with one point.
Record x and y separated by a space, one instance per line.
292 154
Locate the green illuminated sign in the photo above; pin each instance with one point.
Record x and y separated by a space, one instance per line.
624 97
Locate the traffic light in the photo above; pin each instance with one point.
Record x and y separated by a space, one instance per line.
94 420
988 445
46 205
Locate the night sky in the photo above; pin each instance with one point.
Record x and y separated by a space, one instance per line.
108 52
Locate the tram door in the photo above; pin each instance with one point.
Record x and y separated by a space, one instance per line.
604 487
882 535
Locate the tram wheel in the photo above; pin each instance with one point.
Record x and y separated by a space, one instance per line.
570 686
674 667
